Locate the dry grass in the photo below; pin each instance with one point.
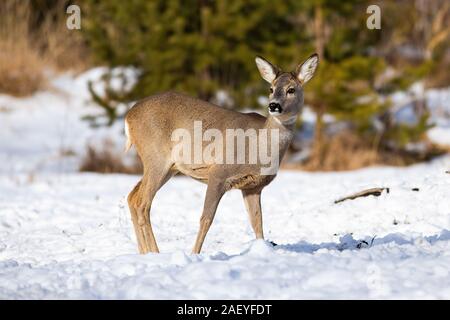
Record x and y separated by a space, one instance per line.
21 69
347 151
108 160
344 151
30 49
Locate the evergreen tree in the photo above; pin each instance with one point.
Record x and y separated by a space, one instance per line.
202 46
197 47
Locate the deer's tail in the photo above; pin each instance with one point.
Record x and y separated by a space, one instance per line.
127 134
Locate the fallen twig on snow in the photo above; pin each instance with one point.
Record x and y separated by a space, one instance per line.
369 192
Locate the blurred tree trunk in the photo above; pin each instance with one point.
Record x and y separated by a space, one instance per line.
432 24
440 30
318 137
205 74
319 30
320 109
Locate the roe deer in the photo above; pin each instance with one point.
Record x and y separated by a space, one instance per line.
150 123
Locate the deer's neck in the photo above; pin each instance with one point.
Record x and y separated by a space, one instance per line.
285 130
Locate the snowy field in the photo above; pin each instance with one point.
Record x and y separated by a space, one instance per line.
68 235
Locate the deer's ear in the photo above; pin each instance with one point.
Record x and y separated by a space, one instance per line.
306 70
266 69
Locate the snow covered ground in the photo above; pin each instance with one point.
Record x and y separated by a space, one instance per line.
65 234
70 236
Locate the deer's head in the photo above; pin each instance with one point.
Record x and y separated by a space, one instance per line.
286 88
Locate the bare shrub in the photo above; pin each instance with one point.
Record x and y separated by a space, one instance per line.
344 151
348 151
108 160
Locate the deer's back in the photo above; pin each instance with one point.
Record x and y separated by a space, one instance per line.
158 116
176 110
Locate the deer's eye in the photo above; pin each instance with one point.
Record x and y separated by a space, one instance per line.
271 90
291 90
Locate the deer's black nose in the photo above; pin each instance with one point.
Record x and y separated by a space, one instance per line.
275 107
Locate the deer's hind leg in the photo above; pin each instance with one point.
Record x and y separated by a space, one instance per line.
132 199
140 201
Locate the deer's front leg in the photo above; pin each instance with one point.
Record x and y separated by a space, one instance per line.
214 193
252 199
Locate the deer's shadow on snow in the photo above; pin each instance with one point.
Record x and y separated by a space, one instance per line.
347 242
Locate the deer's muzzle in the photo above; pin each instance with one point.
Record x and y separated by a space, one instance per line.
275 107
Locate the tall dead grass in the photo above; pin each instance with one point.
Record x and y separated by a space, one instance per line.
344 151
107 159
31 47
348 151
